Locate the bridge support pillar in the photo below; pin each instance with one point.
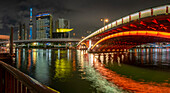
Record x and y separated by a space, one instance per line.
45 46
11 42
90 44
28 45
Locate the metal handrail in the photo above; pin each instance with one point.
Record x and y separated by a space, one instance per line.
15 81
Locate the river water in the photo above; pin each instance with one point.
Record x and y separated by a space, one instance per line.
76 71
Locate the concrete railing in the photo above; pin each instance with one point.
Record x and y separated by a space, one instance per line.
14 81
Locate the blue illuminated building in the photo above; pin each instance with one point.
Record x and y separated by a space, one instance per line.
44 25
31 24
45 14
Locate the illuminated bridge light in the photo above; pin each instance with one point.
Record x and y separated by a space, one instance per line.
142 23
125 27
168 20
133 33
132 25
155 21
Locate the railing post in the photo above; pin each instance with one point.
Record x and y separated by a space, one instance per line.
28 91
19 87
6 82
167 9
1 80
16 85
11 42
1 84
12 82
24 89
151 12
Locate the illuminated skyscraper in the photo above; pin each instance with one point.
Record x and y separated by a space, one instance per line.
62 28
31 24
62 23
44 25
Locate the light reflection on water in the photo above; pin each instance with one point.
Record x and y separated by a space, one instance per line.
64 70
71 70
150 66
98 82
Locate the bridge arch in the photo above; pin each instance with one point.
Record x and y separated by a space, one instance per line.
160 10
156 19
137 38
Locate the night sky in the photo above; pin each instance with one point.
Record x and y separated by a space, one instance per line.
84 15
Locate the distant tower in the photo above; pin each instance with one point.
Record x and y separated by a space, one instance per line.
22 33
25 36
19 31
31 24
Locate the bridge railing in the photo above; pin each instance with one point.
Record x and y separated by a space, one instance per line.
135 16
14 81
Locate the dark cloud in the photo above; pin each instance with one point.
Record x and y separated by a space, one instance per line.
84 14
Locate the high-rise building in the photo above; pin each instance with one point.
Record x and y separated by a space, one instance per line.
44 25
31 24
62 28
62 23
19 31
22 32
25 30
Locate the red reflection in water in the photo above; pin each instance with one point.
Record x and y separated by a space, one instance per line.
129 84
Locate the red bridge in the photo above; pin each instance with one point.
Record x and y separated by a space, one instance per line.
147 26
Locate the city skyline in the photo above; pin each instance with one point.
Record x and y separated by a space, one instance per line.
111 46
83 15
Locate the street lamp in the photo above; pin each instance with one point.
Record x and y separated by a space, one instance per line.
88 32
105 20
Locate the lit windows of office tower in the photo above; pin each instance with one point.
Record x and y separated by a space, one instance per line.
44 25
